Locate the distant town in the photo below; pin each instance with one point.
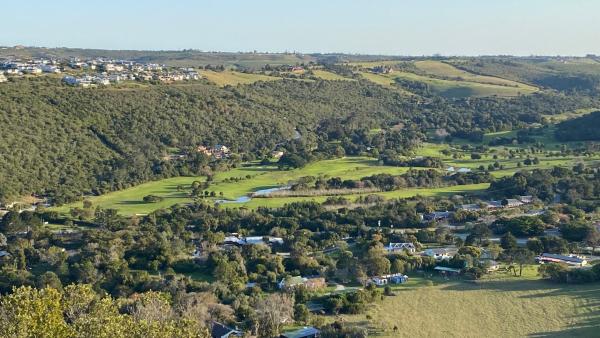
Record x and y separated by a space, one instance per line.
95 71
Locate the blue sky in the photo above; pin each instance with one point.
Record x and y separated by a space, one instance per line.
401 27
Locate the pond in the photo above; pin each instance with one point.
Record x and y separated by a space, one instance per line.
247 198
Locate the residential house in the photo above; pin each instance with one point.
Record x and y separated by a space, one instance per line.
32 70
437 215
471 207
494 205
50 69
219 330
438 253
400 247
396 278
511 203
305 332
556 258
526 199
311 283
276 154
382 70
252 240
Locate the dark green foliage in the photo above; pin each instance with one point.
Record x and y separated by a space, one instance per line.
519 226
585 128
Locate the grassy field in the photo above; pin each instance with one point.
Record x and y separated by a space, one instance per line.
570 115
403 193
442 69
499 305
253 178
512 307
233 78
329 76
129 201
242 181
450 88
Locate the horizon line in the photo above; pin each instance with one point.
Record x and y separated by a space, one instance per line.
198 50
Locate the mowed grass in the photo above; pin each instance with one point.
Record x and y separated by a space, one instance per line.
244 180
509 307
263 177
510 165
130 201
233 78
442 69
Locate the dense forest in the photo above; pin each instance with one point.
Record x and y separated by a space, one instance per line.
585 128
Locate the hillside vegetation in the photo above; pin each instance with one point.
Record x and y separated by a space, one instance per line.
65 142
584 128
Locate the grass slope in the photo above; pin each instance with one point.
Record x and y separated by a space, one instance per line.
129 201
450 88
234 78
442 69
329 76
514 307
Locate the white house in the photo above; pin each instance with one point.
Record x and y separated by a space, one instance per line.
438 253
399 247
50 69
556 258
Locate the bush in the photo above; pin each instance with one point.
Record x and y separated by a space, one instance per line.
152 198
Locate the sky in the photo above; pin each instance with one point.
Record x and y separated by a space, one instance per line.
401 27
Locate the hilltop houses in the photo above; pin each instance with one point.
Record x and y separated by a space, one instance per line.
219 151
382 70
109 71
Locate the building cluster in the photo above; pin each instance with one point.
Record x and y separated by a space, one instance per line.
219 151
251 240
494 204
486 205
382 70
107 71
396 278
17 67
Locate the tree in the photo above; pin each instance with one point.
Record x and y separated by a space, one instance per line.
28 312
49 280
576 231
508 242
523 256
272 312
535 245
481 232
473 251
593 239
301 313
